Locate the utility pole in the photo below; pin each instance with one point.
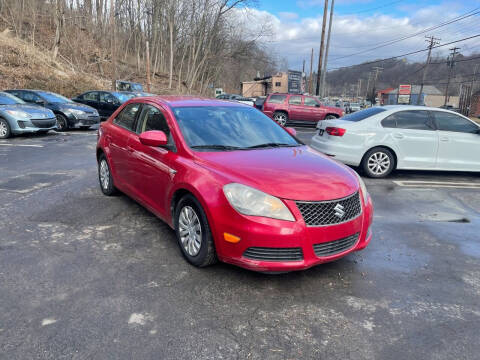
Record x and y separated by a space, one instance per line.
377 71
320 55
113 50
368 84
433 41
359 86
450 64
310 86
303 68
147 67
324 73
471 87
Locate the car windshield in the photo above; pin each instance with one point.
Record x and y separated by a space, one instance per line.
8 99
363 114
53 98
223 128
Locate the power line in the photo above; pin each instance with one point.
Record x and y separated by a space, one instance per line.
407 54
375 8
393 41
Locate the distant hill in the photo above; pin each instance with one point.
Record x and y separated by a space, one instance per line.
400 71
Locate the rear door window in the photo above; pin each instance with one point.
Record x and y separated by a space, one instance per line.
413 120
451 122
90 96
295 100
363 114
277 99
126 118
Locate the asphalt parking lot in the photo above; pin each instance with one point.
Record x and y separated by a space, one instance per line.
84 276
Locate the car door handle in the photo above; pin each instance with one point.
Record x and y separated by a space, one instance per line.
444 139
398 136
130 149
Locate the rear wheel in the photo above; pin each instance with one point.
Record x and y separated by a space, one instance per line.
62 123
378 163
280 117
5 131
193 232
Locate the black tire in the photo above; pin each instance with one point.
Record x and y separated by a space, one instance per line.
5 131
330 117
85 127
281 118
206 254
62 122
378 162
107 187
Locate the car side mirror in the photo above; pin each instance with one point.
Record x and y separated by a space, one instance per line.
291 131
39 102
154 138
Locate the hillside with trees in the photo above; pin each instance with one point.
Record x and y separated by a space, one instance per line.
71 45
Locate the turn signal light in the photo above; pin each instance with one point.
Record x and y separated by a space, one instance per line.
334 131
231 238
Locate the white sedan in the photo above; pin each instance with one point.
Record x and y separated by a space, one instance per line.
381 139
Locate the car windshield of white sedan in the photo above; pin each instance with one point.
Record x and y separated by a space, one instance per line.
207 128
54 98
7 99
363 114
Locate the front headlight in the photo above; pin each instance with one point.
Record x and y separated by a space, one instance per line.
250 201
363 188
19 114
75 112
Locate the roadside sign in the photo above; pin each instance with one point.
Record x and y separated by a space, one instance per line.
403 99
404 89
294 82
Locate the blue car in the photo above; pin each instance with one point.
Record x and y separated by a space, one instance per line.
18 117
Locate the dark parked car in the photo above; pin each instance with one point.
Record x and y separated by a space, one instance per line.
68 113
259 102
106 102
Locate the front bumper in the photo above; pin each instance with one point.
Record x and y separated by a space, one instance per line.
34 125
81 121
344 151
257 232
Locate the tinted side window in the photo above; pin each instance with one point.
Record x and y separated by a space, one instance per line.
451 122
389 122
310 102
152 118
29 96
411 119
277 99
91 96
126 118
295 100
107 98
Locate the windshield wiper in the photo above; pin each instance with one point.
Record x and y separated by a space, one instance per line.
272 145
216 147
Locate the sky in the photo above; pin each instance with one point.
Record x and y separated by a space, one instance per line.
291 28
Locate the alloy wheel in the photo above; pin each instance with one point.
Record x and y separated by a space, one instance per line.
378 163
3 129
190 230
280 118
104 174
61 125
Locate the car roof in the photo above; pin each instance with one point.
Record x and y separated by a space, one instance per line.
413 107
186 101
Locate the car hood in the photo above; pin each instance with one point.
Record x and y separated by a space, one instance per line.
298 173
76 106
34 110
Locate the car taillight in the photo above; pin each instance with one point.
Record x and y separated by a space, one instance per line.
334 131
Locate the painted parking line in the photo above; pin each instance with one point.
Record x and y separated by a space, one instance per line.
437 184
22 145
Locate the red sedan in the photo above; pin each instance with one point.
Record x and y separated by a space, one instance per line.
233 184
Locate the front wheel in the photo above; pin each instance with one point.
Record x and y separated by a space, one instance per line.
193 232
5 130
105 176
280 117
378 163
62 122
330 117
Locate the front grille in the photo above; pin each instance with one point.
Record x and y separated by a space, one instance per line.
274 254
322 213
335 247
48 123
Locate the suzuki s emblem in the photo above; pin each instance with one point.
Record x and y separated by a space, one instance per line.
339 212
